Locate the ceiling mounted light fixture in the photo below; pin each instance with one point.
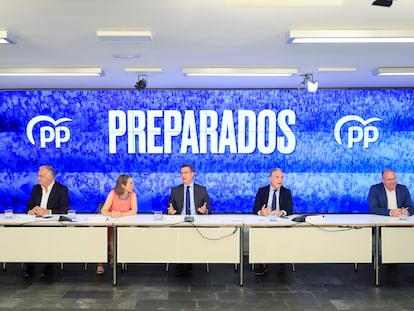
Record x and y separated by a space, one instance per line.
281 3
337 69
141 83
4 37
308 83
125 56
240 71
394 71
386 3
51 71
142 69
351 36
124 35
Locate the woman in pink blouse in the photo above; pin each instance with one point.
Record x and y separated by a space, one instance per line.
121 201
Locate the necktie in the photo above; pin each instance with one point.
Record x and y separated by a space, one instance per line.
187 201
275 200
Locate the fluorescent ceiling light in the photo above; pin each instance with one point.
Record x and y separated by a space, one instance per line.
240 71
126 56
4 37
124 35
337 69
395 71
51 72
351 36
142 69
281 3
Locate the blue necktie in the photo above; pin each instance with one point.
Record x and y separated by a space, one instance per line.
274 200
187 201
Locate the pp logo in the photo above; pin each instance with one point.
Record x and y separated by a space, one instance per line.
59 134
356 134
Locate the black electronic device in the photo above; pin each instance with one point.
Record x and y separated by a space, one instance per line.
386 3
64 218
300 218
189 219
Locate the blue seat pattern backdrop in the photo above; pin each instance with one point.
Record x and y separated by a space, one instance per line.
332 144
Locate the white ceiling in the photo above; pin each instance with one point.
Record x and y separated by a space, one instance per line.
195 33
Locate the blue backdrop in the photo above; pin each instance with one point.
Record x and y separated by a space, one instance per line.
332 144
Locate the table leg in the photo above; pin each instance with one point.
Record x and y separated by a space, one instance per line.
115 252
376 258
241 255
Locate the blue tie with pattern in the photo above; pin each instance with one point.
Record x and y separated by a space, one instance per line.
187 201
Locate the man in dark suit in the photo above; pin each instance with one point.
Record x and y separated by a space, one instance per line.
188 198
389 198
273 199
48 197
198 200
264 197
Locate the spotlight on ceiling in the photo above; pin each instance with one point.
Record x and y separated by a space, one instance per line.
141 83
386 3
308 83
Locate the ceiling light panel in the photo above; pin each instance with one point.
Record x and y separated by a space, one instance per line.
143 69
394 71
124 35
4 37
51 71
351 36
240 71
126 56
281 3
337 69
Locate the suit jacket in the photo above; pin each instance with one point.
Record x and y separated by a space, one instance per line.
285 199
58 199
378 203
200 196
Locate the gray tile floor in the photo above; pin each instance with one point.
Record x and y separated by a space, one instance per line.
150 287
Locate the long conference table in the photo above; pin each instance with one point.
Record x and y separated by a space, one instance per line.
329 238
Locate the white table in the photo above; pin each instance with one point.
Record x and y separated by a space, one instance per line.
332 239
27 238
209 239
394 236
335 238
